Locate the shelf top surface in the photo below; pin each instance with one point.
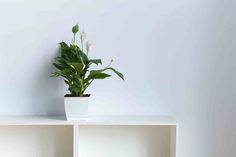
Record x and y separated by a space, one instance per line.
91 120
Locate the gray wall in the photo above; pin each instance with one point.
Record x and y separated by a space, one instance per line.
177 57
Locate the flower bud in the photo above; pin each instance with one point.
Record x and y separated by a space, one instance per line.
75 29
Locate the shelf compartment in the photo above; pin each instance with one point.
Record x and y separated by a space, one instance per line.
36 141
126 141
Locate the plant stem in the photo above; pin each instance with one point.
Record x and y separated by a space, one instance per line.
109 64
74 39
82 45
86 86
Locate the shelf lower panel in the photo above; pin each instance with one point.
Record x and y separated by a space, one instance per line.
36 141
126 141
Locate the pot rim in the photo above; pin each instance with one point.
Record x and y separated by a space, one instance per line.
71 96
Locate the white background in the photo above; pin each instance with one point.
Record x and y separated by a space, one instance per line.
178 58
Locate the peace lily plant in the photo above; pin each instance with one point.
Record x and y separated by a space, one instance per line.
74 66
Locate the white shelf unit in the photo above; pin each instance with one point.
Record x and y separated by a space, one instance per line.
97 136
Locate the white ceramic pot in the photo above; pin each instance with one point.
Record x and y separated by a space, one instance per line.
76 107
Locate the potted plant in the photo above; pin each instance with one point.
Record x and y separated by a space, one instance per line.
74 66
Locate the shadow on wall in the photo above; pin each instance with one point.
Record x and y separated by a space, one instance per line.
49 90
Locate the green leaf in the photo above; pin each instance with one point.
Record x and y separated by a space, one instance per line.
64 46
109 68
77 66
64 72
53 74
100 76
75 28
60 59
84 57
95 61
67 82
58 66
117 73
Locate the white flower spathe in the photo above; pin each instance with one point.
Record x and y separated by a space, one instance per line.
89 46
82 36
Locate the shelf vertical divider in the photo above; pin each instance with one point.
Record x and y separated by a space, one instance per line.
76 140
173 136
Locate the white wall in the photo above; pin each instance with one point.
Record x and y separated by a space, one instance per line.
178 58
